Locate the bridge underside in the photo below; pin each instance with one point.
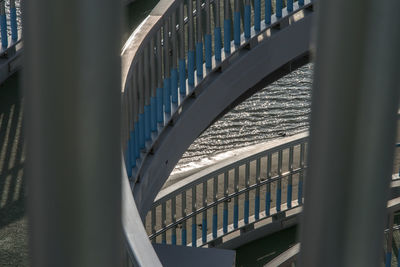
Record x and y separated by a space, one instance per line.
266 58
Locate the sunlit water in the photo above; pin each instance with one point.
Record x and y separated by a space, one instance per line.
280 109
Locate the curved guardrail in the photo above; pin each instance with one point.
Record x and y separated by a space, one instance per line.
176 48
262 183
265 182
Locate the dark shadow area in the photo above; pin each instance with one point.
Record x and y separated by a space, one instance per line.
13 223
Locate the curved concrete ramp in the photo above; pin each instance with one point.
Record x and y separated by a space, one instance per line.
262 60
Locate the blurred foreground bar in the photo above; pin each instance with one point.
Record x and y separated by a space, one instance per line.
353 127
72 83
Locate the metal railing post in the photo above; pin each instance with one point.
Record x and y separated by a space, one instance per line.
353 128
72 80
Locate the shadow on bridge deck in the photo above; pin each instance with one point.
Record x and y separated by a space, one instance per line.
13 222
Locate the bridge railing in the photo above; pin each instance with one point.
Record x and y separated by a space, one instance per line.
9 34
174 49
241 192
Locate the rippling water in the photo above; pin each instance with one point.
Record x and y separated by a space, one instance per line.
282 108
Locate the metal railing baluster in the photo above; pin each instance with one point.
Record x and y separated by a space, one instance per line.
191 52
290 179
215 208
163 221
257 15
174 70
268 186
141 104
278 6
182 63
217 32
153 86
289 5
236 23
160 108
279 183
227 27
147 95
167 78
204 221
300 186
388 258
199 41
247 19
13 21
236 199
173 217
184 214
3 25
247 196
194 217
225 214
301 3
257 198
153 223
268 12
207 37
135 107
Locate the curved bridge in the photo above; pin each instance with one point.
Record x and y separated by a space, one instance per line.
182 71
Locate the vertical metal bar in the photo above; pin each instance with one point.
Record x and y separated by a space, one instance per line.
13 21
182 63
135 107
159 95
247 19
268 187
207 37
163 222
227 27
199 44
217 31
173 217
354 118
268 12
167 79
279 6
153 86
279 183
257 198
3 25
289 5
236 199
246 200
153 223
204 222
301 174
184 215
174 55
290 179
301 2
215 208
236 23
194 217
388 259
147 95
191 52
73 126
140 79
225 215
257 15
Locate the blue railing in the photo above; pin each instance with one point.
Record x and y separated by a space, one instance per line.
9 34
176 48
262 183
